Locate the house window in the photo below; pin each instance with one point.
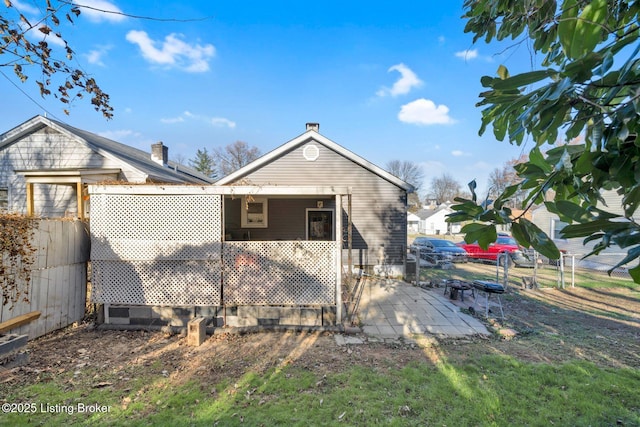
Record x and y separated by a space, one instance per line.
254 212
556 227
4 199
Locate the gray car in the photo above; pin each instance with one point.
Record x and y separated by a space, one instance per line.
438 251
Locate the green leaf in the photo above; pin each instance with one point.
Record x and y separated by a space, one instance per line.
567 25
539 239
484 234
588 30
523 79
503 73
635 273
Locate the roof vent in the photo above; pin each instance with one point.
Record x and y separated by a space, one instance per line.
313 126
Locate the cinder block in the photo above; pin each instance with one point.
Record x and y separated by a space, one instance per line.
179 321
119 321
208 311
328 316
238 322
248 312
310 317
162 312
141 312
196 331
290 316
269 312
118 311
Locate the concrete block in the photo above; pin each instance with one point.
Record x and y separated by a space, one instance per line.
140 312
119 321
238 322
196 331
328 316
181 322
162 312
269 312
311 317
118 311
249 311
208 311
290 316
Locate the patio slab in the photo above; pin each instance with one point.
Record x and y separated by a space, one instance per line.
396 309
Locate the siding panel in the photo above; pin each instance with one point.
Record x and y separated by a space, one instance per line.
378 206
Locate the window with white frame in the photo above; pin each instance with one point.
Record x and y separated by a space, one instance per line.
556 227
4 199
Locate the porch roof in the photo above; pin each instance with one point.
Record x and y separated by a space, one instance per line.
227 190
68 176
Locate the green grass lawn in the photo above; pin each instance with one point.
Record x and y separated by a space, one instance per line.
491 390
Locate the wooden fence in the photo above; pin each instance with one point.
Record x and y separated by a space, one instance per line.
58 285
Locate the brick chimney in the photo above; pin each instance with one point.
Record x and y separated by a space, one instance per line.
313 126
160 153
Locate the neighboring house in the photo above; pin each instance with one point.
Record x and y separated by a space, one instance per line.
551 224
45 166
378 201
433 221
413 223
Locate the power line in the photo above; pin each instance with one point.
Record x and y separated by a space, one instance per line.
149 18
29 96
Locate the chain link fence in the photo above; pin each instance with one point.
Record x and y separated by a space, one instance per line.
534 271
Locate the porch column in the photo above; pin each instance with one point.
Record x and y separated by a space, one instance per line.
80 200
30 204
338 233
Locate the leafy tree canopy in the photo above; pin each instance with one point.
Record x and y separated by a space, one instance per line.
586 88
27 47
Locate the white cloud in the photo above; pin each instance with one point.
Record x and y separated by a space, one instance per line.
425 112
407 81
441 40
222 122
468 54
215 121
172 120
100 10
173 52
460 153
95 55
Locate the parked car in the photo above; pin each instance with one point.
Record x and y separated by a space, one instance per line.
504 244
438 251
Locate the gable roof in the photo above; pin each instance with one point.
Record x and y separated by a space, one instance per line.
312 135
137 159
427 213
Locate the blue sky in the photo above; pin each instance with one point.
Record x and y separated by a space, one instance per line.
385 80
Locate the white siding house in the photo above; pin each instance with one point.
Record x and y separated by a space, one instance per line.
45 166
551 224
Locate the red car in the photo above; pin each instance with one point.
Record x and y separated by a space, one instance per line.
504 244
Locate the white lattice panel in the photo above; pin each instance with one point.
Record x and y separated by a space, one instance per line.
190 218
279 273
140 250
156 282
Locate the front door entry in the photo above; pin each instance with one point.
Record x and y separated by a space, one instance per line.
320 224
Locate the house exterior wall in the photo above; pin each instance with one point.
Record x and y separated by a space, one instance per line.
547 221
287 219
49 149
378 207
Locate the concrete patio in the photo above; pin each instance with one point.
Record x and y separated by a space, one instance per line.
392 309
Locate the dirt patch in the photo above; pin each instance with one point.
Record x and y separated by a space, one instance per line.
599 325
